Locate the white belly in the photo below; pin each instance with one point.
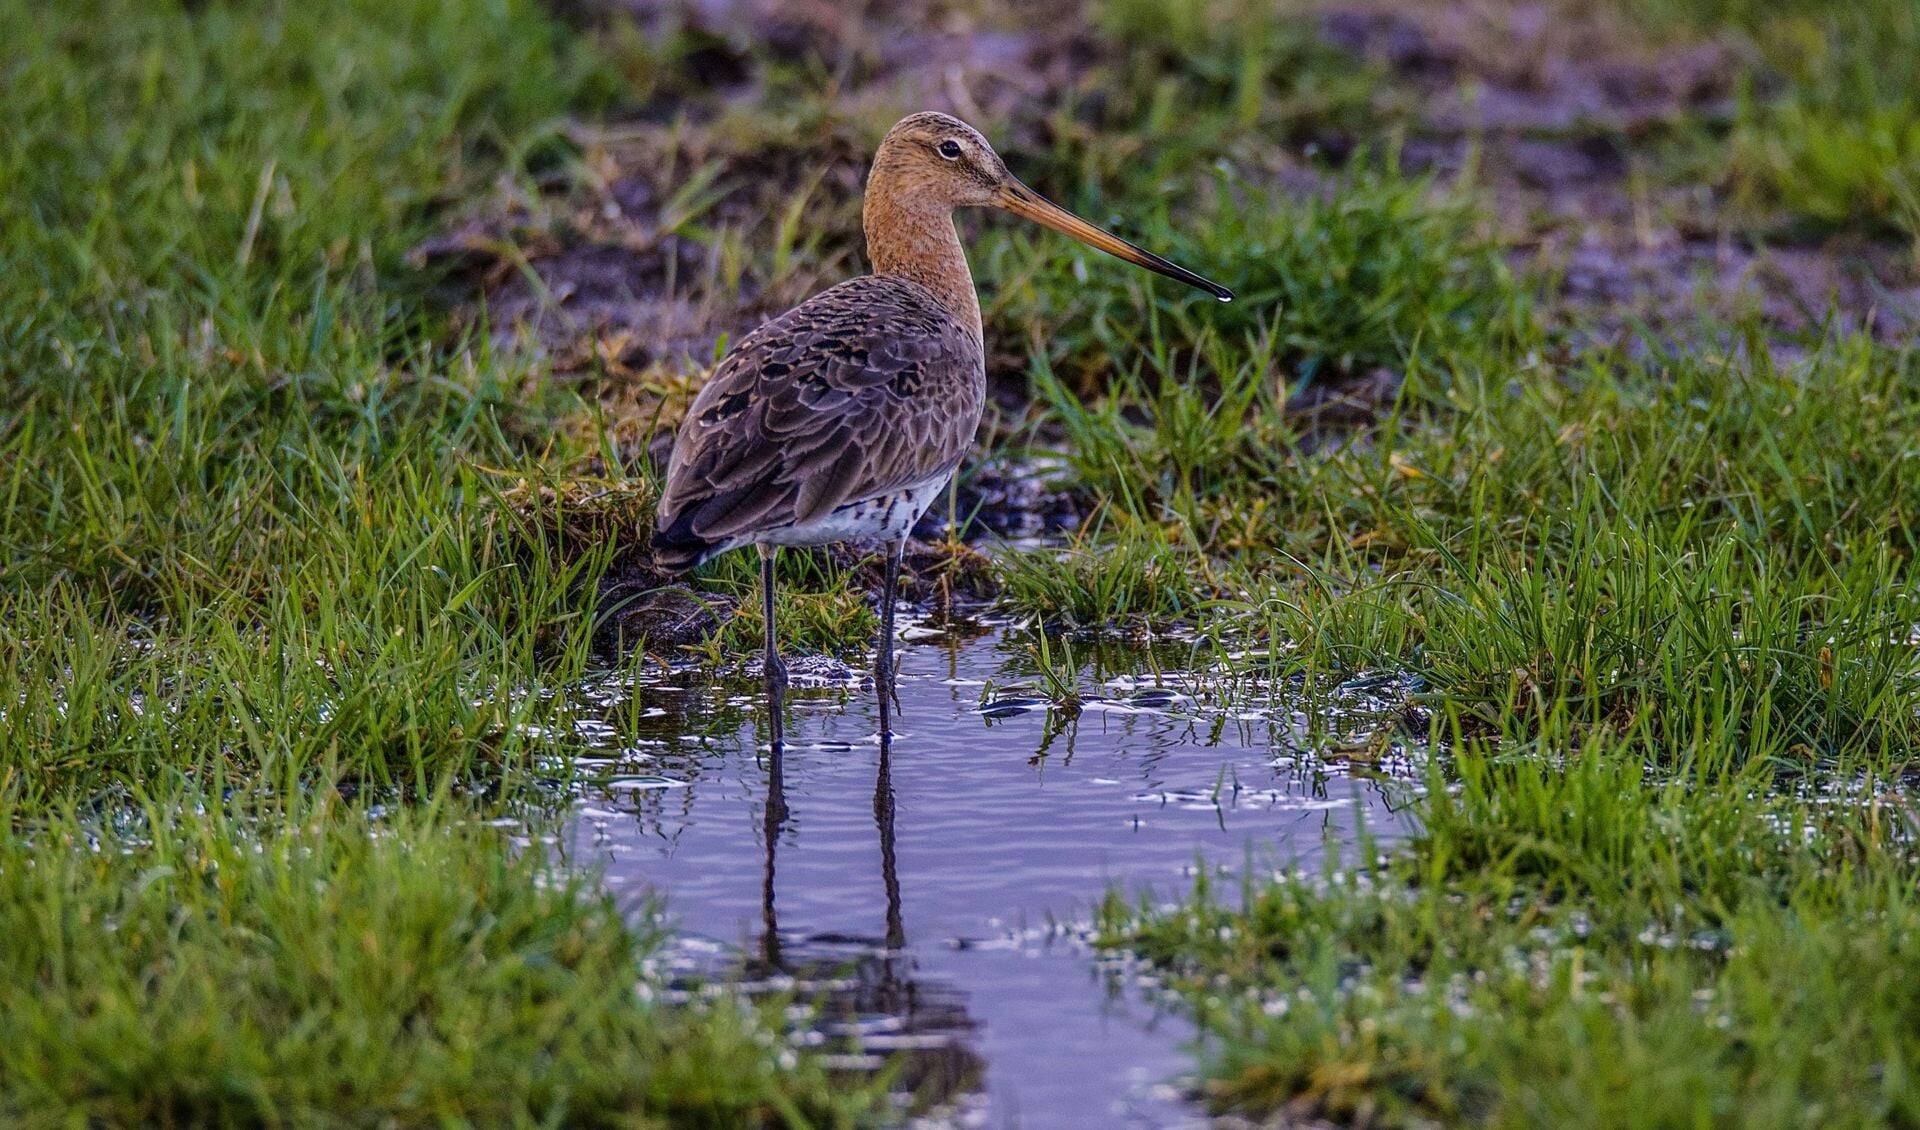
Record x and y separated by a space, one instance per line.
890 517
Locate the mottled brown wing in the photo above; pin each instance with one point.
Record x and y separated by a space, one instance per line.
861 390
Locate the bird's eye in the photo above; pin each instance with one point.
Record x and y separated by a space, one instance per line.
950 150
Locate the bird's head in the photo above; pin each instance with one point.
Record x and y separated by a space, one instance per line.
937 159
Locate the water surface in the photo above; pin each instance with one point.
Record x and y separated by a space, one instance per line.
930 896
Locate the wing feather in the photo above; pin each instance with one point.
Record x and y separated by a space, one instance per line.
862 390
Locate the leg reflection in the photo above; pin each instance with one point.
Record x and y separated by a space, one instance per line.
776 822
883 820
865 987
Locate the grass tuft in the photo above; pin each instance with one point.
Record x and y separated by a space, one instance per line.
1366 272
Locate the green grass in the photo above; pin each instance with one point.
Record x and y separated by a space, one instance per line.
303 966
241 480
1660 602
265 569
1719 545
1103 578
1582 944
203 214
1828 131
1367 272
1181 83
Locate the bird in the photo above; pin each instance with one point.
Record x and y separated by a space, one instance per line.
844 418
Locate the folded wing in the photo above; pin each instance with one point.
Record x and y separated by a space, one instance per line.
846 397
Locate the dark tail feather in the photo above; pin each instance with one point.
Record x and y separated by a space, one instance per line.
676 548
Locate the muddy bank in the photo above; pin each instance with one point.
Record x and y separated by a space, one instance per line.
732 191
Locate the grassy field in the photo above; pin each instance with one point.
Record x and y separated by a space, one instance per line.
266 608
288 529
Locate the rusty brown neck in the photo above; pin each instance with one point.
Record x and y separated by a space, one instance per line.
912 237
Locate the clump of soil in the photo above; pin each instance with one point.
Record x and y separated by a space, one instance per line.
663 620
635 601
934 572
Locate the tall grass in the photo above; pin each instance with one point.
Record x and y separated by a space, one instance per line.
1715 545
1366 272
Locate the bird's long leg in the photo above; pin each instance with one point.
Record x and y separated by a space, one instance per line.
883 684
776 671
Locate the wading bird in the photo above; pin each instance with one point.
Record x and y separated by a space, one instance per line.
843 418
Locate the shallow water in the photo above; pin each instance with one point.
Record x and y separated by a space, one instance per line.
930 897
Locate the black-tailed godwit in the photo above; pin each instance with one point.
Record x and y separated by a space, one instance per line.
843 419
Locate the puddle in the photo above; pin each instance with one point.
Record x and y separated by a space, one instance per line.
929 899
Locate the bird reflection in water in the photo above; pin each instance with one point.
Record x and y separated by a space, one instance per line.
861 985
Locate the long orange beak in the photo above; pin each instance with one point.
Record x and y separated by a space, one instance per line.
1023 201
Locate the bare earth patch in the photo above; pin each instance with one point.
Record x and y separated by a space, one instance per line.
739 195
1559 113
